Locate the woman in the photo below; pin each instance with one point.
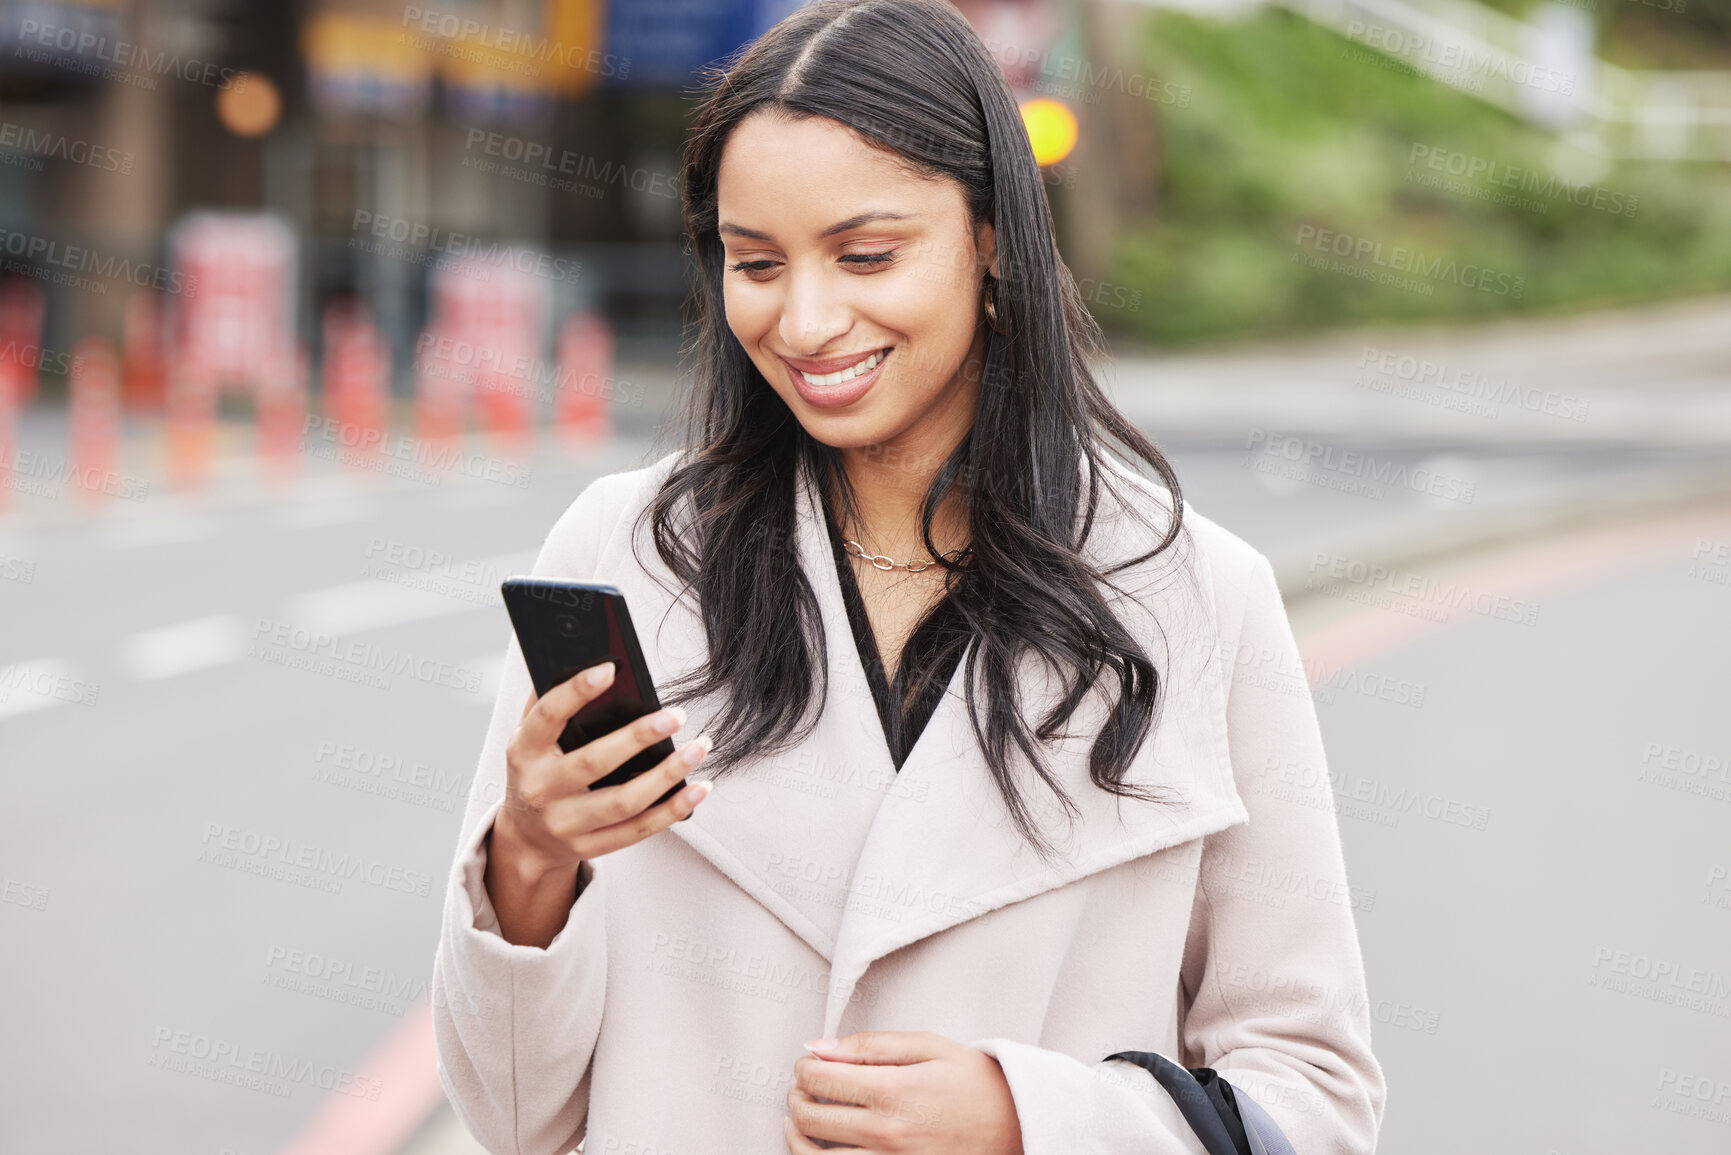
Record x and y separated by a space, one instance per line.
981 709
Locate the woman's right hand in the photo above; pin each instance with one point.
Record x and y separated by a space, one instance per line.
551 822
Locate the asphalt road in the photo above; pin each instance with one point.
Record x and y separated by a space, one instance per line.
223 848
1537 828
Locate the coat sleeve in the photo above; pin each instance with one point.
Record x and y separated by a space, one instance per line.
1273 982
515 1026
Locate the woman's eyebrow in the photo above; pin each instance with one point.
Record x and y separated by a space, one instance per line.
852 222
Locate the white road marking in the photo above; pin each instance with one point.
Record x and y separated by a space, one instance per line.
480 496
474 581
41 683
170 529
182 648
370 604
330 511
337 611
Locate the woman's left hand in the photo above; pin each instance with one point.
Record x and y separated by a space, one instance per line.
902 1091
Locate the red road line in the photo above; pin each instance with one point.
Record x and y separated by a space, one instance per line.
406 1071
1525 573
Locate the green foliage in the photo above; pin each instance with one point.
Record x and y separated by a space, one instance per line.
1293 135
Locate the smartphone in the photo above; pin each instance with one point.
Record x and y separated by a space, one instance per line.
564 627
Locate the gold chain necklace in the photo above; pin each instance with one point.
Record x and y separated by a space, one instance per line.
885 562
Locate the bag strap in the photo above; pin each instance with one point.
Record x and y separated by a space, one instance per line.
1266 1137
1202 1110
1226 1123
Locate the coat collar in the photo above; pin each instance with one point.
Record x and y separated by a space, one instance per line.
860 860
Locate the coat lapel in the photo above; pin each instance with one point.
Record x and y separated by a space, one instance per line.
789 827
859 860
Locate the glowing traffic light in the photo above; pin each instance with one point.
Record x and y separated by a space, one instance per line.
1051 129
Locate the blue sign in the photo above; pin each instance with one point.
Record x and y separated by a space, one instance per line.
666 42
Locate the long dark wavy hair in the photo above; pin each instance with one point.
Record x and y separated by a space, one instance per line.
912 78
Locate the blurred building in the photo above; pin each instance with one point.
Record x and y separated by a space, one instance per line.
389 138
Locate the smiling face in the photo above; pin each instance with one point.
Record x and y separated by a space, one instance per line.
841 263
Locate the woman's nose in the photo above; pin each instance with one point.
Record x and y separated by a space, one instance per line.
813 313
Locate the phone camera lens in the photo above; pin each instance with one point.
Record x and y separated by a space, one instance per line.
567 625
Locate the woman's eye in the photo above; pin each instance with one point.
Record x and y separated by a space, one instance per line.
751 268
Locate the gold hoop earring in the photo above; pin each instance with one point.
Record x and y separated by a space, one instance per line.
990 300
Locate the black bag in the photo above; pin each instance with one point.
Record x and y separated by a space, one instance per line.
1227 1122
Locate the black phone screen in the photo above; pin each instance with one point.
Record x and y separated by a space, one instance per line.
564 627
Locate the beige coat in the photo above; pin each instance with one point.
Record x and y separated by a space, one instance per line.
819 892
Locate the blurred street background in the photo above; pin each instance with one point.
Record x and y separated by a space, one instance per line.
315 316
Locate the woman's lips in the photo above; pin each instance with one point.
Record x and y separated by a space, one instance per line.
834 396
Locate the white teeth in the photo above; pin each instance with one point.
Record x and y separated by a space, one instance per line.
848 374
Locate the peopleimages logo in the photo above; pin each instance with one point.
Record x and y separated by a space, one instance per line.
422 460
1447 56
1470 385
257 1068
425 241
79 259
1402 259
111 59
1369 473
531 50
223 842
46 143
1477 168
535 154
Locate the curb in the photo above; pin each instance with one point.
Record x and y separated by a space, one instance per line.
1495 529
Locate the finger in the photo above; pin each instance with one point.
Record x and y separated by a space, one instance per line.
652 821
546 719
846 1082
598 758
886 1101
798 1144
626 800
893 1048
841 1123
528 704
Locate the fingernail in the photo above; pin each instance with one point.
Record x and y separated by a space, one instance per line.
671 719
698 791
600 674
820 1045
